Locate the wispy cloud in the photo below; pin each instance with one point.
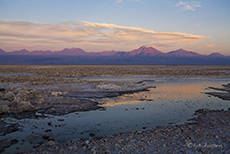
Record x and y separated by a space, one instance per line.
189 5
207 46
88 35
119 1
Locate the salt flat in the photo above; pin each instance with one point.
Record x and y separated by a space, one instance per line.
67 103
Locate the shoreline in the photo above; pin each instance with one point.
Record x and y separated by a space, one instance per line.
203 134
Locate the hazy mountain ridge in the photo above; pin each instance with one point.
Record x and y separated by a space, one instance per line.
141 56
140 52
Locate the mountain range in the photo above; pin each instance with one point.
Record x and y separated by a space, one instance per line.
142 55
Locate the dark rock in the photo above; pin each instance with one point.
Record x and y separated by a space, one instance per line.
6 143
6 128
48 130
2 90
202 111
140 82
51 143
46 137
91 134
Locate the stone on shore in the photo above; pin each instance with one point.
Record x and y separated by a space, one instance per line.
9 96
25 106
4 109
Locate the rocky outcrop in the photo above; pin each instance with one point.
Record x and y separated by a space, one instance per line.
4 109
9 96
20 100
223 93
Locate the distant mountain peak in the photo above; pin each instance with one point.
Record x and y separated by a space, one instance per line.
20 52
75 48
2 51
142 48
183 53
24 50
146 48
181 50
216 54
72 51
145 51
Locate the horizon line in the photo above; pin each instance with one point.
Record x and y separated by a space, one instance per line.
108 50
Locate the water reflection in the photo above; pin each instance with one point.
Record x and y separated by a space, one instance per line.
170 91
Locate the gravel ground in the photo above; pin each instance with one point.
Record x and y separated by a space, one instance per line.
48 72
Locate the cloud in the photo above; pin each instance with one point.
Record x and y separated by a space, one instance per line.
87 35
187 5
119 1
207 46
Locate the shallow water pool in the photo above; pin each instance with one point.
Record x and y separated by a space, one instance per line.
173 101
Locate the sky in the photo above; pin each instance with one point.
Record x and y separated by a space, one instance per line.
123 25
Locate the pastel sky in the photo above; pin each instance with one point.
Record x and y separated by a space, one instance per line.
99 25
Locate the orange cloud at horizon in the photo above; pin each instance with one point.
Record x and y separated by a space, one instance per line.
90 36
207 46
